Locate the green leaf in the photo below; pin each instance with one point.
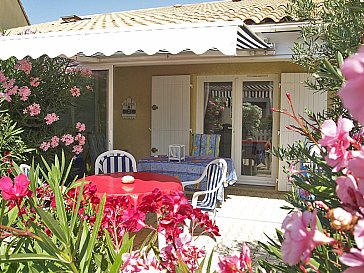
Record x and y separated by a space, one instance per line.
51 223
26 257
86 259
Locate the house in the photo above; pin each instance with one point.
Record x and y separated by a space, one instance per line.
12 14
164 73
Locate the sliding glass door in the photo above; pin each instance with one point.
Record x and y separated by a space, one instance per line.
239 108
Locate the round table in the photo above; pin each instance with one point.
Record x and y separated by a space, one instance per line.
144 183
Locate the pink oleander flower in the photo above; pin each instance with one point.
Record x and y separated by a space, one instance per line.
338 157
235 264
8 84
34 81
301 237
45 146
77 149
12 91
24 65
24 92
67 139
333 134
6 97
355 165
351 92
50 118
81 139
3 78
15 191
80 126
184 249
34 109
138 261
355 259
54 141
350 194
75 91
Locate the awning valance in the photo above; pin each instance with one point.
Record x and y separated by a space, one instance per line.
198 38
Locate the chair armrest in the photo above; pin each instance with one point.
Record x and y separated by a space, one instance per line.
187 183
198 193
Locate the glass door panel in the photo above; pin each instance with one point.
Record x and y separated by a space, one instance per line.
256 127
218 113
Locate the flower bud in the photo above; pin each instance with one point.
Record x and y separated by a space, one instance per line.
341 220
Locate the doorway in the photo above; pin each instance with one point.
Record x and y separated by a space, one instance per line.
239 108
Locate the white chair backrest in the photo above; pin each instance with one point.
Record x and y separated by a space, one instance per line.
215 173
115 161
25 169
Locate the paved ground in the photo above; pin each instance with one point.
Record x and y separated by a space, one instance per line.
245 216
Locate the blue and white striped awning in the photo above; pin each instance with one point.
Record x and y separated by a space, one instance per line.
226 37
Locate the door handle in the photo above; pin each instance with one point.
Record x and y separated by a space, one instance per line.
154 150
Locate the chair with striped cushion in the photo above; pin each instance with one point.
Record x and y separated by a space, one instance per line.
115 161
206 145
215 174
25 169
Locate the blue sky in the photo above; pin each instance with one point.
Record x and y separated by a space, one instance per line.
40 11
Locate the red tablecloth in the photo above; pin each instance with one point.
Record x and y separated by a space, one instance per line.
144 183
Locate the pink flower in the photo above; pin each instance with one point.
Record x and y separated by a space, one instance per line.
50 118
235 264
355 164
14 191
67 139
3 78
301 237
45 146
337 157
24 65
349 193
77 149
80 126
5 96
354 259
81 139
34 109
12 91
34 81
351 92
8 84
24 93
359 234
54 141
332 134
75 91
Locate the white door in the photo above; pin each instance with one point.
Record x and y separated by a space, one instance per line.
255 129
302 98
170 112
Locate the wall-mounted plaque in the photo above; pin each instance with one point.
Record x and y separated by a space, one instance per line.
128 109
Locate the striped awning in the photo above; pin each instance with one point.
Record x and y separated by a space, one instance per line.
226 37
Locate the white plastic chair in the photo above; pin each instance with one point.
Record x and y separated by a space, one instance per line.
115 161
25 169
215 173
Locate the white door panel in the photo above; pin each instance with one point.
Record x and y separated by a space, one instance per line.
171 114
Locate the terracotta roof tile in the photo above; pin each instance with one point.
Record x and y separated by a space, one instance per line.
250 11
